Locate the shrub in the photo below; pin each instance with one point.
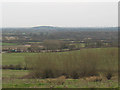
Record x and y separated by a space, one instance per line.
109 76
93 79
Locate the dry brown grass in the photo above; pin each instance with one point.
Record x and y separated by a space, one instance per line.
93 79
58 81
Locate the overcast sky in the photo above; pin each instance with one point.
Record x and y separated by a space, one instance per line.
66 14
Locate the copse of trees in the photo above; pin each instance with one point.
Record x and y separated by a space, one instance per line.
54 44
74 64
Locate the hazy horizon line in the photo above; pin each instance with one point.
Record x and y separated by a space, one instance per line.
62 26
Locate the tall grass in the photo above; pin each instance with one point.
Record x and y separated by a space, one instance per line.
74 64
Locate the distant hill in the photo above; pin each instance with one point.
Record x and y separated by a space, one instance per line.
74 28
52 28
45 27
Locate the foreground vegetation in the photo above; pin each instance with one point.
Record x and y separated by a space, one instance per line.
12 79
86 68
76 64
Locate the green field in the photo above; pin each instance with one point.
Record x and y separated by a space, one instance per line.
14 58
12 78
8 44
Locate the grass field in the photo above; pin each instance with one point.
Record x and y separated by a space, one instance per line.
4 44
14 58
12 78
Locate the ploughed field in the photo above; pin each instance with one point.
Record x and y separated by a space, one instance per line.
86 68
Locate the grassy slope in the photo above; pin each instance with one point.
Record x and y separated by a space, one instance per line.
11 80
14 58
8 44
11 77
